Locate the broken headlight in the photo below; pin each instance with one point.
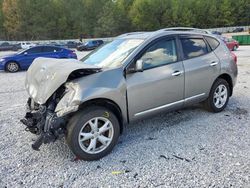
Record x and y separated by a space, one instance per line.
66 105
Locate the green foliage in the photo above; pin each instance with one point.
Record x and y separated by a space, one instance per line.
63 19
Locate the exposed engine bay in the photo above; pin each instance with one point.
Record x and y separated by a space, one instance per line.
41 116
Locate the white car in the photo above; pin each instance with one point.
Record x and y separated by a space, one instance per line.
26 45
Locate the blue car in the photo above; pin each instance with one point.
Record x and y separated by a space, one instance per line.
22 60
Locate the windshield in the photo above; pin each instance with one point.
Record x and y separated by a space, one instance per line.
112 54
22 51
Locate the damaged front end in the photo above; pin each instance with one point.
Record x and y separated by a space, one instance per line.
43 121
49 84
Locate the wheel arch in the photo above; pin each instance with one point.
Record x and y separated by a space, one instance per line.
229 80
107 103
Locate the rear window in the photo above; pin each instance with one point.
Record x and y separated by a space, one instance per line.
213 43
193 47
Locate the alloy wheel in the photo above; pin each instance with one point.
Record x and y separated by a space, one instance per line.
12 67
220 96
96 135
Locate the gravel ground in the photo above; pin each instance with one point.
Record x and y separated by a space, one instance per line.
186 148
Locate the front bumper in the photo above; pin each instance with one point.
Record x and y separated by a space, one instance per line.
43 121
2 66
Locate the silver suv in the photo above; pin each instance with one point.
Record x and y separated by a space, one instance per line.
135 76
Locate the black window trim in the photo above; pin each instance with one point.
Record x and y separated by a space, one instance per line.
139 54
209 50
205 37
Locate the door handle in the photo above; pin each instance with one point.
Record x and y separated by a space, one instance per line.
176 73
214 63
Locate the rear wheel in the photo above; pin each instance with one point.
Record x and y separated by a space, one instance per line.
92 133
12 67
219 96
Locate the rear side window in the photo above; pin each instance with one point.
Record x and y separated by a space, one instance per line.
51 49
213 43
193 47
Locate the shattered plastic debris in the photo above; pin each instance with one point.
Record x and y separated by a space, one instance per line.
120 172
182 158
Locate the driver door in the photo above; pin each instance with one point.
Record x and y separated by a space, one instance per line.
29 55
160 85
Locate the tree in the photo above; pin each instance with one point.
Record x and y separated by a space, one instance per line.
225 17
11 15
147 14
64 19
2 30
113 19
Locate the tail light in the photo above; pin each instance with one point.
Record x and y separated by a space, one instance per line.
72 54
234 57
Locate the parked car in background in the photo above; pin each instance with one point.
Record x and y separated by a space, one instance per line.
58 44
231 43
238 29
135 76
216 32
5 46
26 45
73 44
22 60
90 45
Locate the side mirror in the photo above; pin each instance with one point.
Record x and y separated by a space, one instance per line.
139 65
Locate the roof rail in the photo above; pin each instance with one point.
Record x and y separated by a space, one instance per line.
185 29
132 33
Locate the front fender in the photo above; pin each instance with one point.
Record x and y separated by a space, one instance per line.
109 84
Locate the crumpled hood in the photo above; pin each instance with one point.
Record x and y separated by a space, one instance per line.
46 75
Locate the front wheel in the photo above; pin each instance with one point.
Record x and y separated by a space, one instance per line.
218 97
92 133
12 67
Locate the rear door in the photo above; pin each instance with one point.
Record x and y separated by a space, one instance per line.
161 84
51 52
201 66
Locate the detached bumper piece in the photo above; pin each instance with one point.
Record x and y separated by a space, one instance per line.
43 121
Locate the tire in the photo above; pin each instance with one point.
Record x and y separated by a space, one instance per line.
12 67
218 97
82 135
15 49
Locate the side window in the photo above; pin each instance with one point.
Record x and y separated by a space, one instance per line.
57 49
193 47
49 49
213 43
34 50
160 53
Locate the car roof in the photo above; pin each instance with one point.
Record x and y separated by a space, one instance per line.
49 46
